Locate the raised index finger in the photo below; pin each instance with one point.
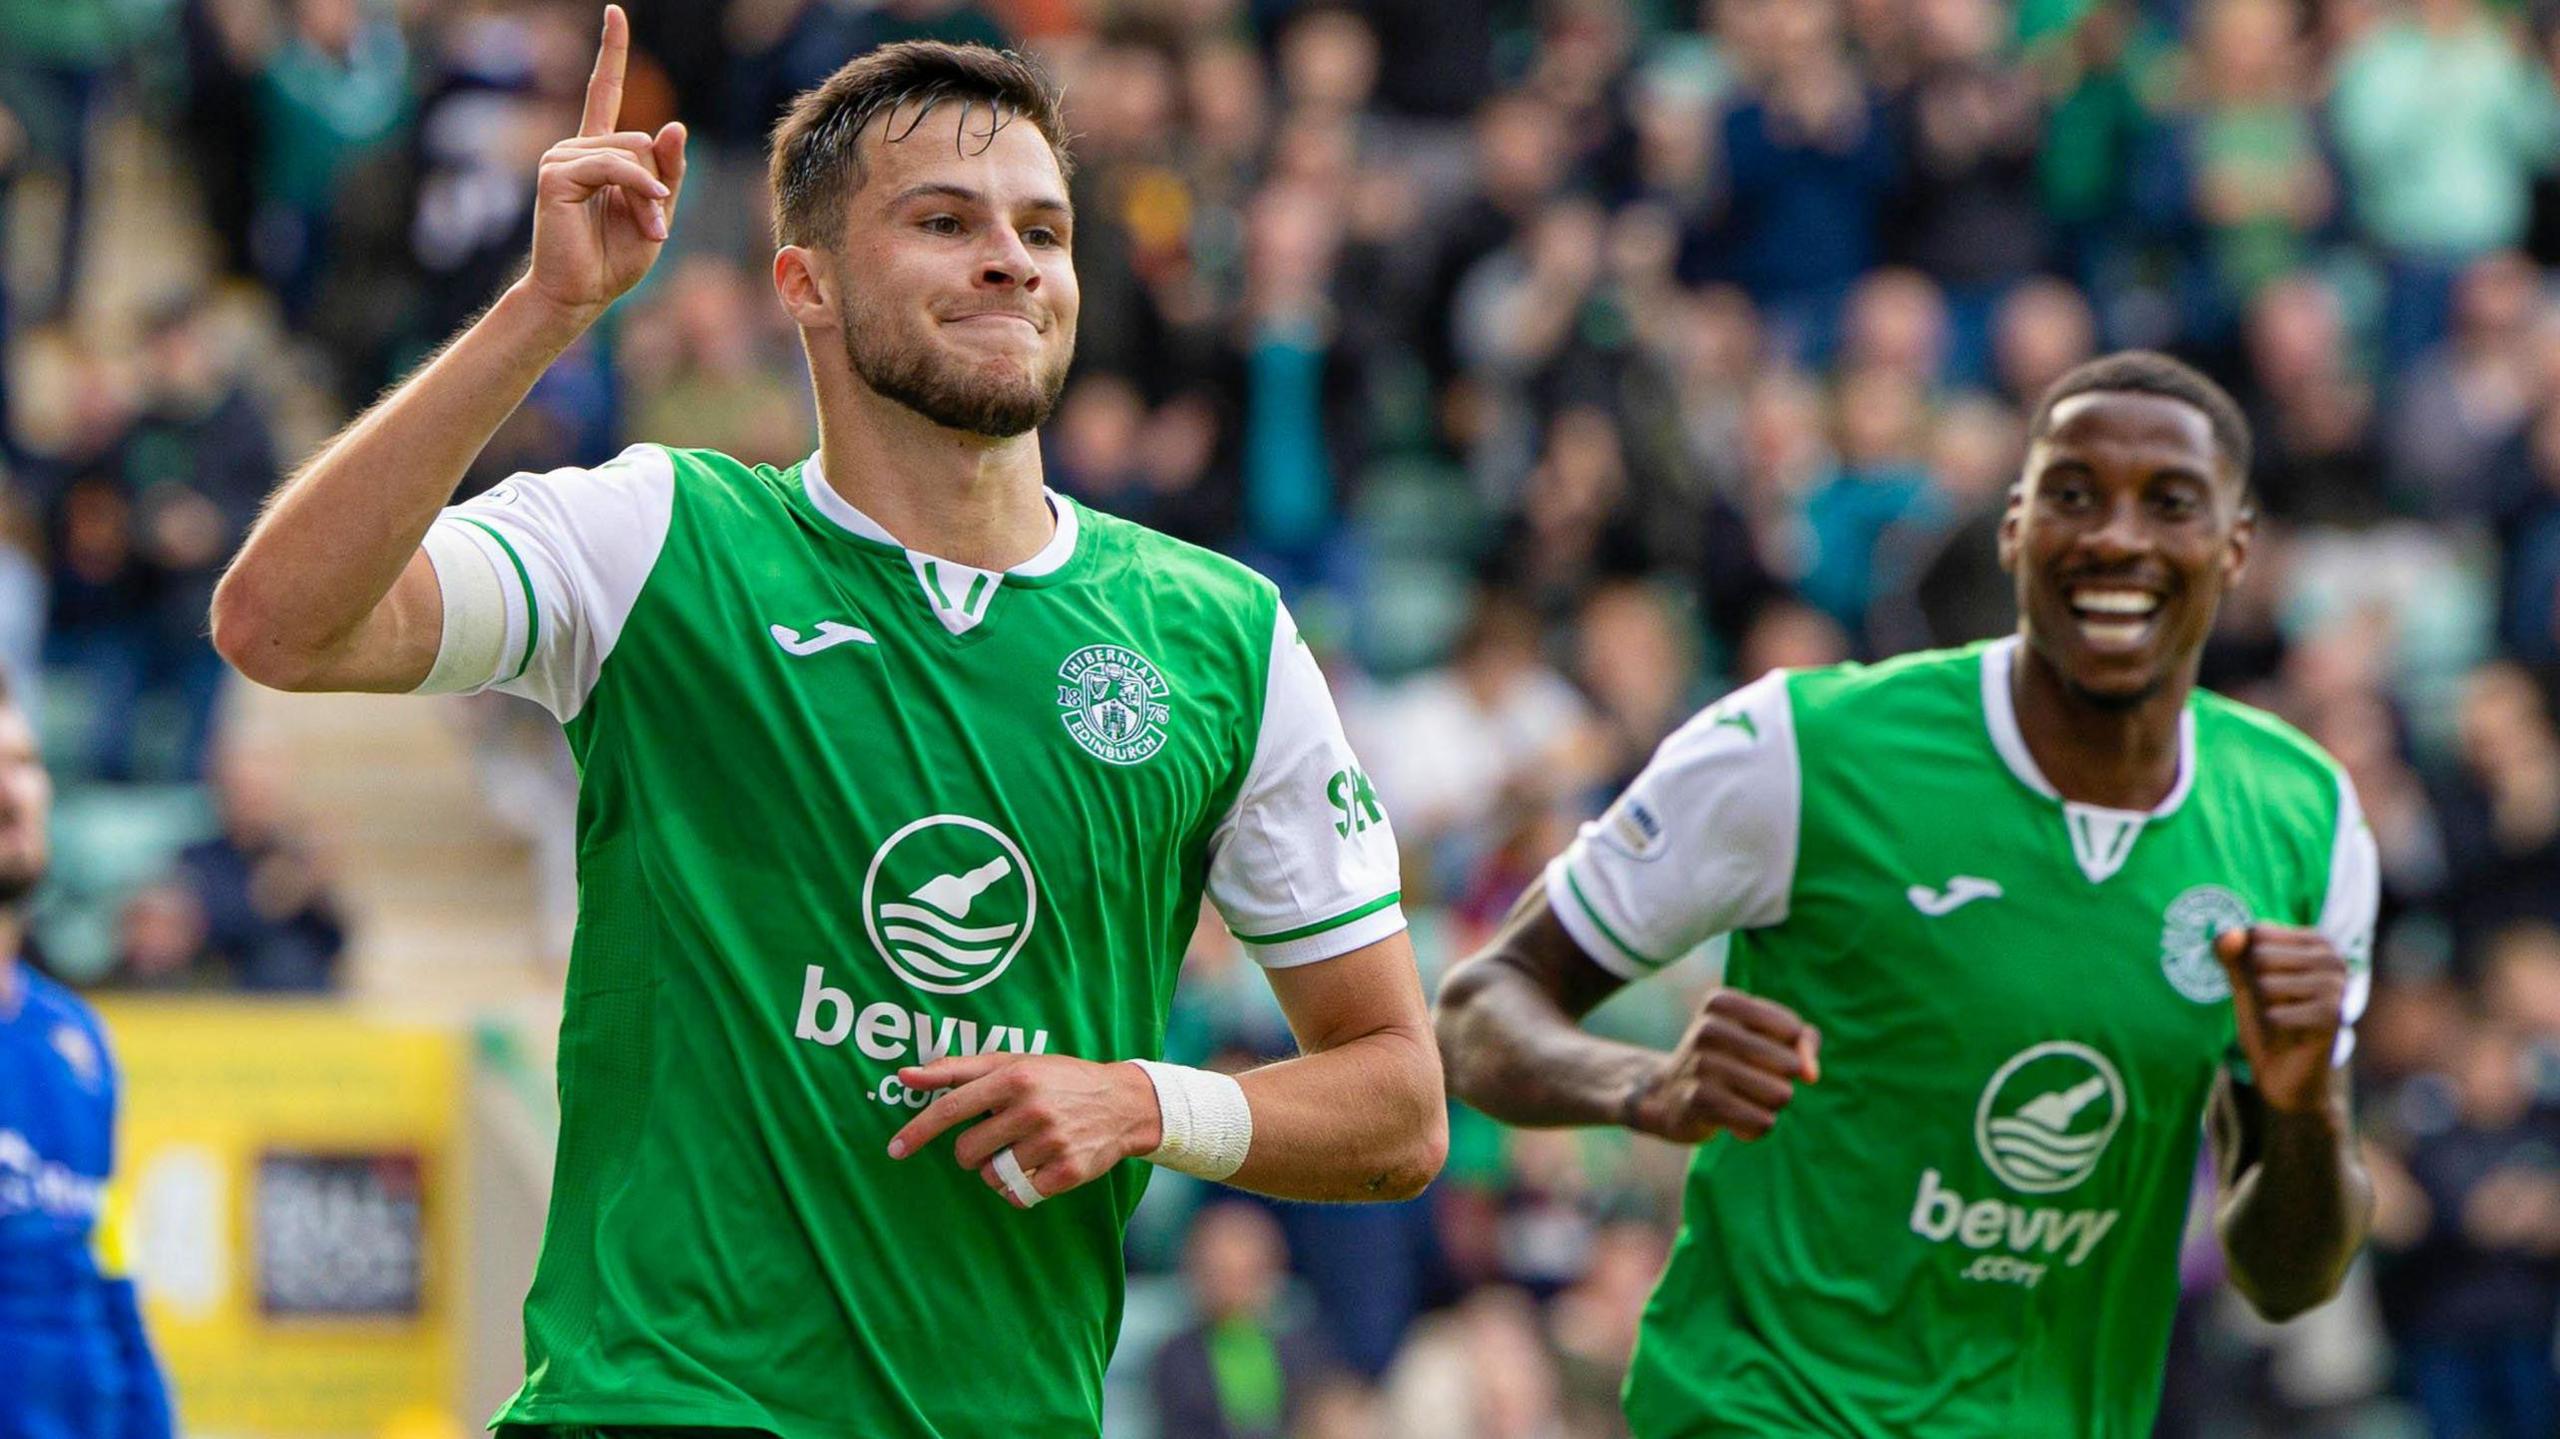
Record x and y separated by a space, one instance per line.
604 87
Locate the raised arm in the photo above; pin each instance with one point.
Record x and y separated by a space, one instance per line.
2295 1201
331 590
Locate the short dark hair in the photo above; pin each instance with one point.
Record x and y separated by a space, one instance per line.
817 157
2148 372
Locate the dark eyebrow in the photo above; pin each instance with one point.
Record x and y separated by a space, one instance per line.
2172 474
967 196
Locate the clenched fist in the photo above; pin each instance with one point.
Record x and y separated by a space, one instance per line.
2288 999
1734 1070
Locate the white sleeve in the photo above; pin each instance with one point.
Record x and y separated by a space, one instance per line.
1303 867
2346 915
1701 844
539 574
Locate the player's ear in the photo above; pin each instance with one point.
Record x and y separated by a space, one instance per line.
799 281
2012 515
2243 538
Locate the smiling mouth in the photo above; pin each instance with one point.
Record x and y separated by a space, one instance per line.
1023 320
2113 617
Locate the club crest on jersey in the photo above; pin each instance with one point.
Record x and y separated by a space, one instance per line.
1113 703
2046 1116
948 901
2187 932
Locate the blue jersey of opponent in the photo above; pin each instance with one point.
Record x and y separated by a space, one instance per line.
73 1360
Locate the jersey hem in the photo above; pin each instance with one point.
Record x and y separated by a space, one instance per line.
644 1413
1582 921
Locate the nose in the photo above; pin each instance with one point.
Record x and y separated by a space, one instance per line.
1008 263
2123 534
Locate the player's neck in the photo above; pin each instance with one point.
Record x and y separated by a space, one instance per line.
2121 757
12 974
955 496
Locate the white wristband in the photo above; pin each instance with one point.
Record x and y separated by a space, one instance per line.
1207 1124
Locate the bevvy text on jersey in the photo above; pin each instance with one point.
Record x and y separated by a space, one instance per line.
948 902
901 1036
2042 1126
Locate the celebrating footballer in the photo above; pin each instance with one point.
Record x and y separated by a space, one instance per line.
2006 922
902 781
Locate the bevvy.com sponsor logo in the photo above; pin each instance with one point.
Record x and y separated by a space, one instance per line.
947 902
2043 1123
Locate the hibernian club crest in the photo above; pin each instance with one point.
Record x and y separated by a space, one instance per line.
1113 702
2187 932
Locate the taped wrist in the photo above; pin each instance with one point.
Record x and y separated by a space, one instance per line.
1207 1124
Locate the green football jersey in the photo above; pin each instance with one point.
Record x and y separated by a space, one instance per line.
1970 1224
844 808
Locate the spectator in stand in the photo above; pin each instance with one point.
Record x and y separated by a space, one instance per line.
1638 665
2482 1242
2249 150
160 941
1880 483
268 913
2521 986
2501 813
1519 163
1896 323
55 75
103 622
2468 396
2442 121
333 94
2527 516
1787 636
2361 732
2084 58
702 358
1241 1369
1592 1325
1574 527
1480 1371
1969 215
1813 163
1302 436
1952 589
2042 329
199 461
2318 460
1461 752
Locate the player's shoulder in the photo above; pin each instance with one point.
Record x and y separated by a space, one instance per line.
1925 687
2241 746
638 466
65 1021
1178 576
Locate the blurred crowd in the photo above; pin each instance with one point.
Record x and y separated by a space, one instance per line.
1569 362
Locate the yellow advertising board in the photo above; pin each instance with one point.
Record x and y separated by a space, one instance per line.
291 1173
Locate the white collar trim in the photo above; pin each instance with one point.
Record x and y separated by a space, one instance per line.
833 505
2000 710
